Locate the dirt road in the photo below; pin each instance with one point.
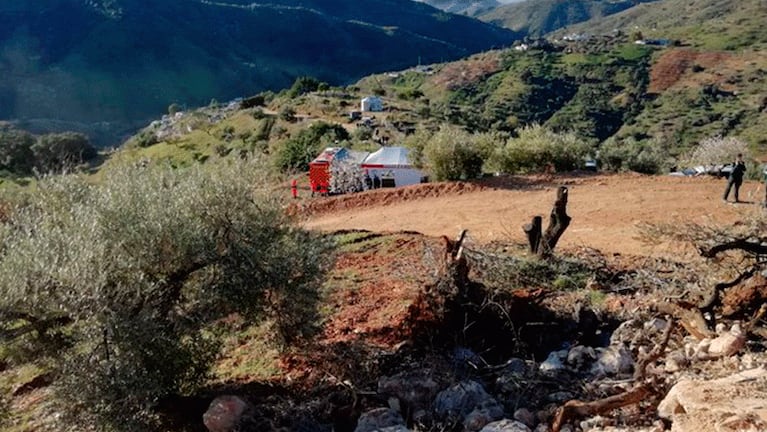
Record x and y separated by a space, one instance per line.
605 209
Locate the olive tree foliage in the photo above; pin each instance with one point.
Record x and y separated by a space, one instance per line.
453 154
16 151
535 148
138 266
57 152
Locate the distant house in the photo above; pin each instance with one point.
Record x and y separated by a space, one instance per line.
371 103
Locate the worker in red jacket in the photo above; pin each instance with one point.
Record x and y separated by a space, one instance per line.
294 188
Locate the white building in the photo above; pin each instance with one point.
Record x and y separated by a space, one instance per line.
371 103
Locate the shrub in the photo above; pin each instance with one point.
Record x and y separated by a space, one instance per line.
253 101
646 157
536 148
288 114
296 152
140 265
56 152
451 154
303 85
16 154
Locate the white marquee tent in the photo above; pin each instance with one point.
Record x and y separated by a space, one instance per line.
393 167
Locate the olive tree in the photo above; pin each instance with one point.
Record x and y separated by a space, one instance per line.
137 267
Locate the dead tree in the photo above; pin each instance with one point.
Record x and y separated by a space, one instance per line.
542 243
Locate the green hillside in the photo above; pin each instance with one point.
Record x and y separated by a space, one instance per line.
106 67
538 17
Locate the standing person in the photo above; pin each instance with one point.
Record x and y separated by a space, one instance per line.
294 188
368 181
735 178
376 181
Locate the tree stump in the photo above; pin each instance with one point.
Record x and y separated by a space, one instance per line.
542 243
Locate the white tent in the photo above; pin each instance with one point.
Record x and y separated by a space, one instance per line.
392 166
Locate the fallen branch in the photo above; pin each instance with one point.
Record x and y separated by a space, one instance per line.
576 409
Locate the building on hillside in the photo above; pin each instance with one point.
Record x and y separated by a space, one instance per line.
371 103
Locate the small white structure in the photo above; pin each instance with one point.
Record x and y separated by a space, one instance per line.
392 166
371 103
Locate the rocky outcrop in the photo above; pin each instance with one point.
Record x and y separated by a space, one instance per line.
735 403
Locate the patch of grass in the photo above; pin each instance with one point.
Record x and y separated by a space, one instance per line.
248 355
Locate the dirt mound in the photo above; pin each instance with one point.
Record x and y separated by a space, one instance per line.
383 197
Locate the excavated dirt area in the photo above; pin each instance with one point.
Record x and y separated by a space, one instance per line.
605 209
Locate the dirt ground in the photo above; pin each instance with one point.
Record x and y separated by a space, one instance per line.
605 209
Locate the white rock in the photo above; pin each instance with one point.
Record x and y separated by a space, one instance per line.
696 406
554 361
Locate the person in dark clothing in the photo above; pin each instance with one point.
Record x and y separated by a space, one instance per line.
376 181
735 178
368 181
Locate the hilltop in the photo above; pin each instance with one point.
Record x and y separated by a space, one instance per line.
107 67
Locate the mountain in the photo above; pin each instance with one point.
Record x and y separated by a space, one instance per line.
107 66
538 17
465 7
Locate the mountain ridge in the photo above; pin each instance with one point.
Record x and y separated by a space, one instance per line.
107 67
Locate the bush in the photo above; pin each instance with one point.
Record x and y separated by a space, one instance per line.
305 84
16 154
296 152
140 265
646 157
253 101
535 148
452 154
57 152
288 114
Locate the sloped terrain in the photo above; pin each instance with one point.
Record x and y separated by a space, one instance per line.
108 67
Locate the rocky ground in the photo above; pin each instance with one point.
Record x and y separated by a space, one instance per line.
601 337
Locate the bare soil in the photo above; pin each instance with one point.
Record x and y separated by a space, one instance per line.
606 209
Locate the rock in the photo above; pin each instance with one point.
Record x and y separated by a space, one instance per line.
228 414
415 390
461 399
510 377
656 325
506 426
734 403
524 415
543 427
676 361
728 344
487 412
613 360
380 419
581 357
625 332
515 366
554 362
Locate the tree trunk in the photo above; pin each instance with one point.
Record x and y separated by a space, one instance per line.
543 244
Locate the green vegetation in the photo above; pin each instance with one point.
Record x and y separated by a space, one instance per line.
536 149
296 152
117 286
21 153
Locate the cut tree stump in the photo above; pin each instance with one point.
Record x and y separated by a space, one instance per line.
541 243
